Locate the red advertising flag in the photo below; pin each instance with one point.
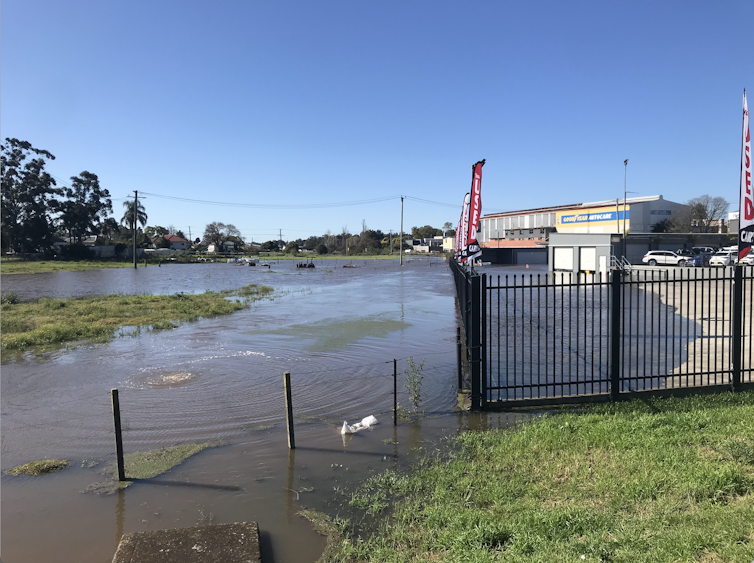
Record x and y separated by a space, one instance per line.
746 202
473 250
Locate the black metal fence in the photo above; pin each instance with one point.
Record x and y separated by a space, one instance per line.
557 338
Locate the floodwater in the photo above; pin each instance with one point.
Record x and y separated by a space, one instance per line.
336 330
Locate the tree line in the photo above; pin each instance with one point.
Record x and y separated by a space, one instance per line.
36 212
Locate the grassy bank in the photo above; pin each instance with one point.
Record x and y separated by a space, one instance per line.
656 480
52 322
44 266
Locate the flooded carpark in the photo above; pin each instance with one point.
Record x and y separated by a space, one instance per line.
220 381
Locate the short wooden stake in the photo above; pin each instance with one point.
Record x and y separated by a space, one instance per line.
395 393
118 436
289 409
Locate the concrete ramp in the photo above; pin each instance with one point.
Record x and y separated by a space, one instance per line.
223 543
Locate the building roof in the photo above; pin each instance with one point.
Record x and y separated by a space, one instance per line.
555 208
170 238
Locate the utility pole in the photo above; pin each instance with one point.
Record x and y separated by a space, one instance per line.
400 246
280 235
190 239
391 240
133 222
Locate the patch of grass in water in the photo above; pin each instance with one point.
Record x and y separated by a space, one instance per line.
54 322
39 467
257 427
145 465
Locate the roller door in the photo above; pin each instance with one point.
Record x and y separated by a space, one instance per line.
563 258
587 259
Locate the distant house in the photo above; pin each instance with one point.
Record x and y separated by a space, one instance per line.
176 242
227 246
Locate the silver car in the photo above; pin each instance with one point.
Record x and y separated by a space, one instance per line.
663 258
724 258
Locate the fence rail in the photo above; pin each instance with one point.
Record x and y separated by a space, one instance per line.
548 338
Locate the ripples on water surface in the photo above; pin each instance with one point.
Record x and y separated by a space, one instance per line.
336 330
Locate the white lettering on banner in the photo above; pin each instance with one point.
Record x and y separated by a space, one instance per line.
747 236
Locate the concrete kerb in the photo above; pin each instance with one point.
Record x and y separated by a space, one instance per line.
221 543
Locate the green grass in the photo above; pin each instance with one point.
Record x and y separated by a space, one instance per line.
44 266
53 322
655 480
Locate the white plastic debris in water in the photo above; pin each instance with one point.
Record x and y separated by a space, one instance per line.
367 422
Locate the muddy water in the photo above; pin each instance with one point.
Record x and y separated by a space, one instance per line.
335 329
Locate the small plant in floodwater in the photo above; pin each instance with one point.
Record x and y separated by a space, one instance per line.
414 379
10 298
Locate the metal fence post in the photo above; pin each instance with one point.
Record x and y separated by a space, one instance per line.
738 290
483 341
459 364
289 410
475 342
118 436
615 335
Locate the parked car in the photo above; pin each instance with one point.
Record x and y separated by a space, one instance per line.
703 249
664 258
724 257
696 261
748 260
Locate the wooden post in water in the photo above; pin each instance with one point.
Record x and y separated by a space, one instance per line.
118 436
395 392
289 410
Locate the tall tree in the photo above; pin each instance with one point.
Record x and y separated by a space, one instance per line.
217 233
706 210
128 217
87 204
425 232
28 197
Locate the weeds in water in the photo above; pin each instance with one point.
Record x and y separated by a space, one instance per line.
9 298
414 379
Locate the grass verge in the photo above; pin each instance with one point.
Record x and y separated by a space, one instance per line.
648 480
45 266
53 322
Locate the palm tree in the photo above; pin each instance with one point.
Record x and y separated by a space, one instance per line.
109 228
128 216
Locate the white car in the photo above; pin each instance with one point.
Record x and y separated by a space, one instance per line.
724 258
663 258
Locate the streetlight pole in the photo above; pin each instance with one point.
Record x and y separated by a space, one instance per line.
625 172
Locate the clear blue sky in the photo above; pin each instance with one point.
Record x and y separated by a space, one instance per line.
289 103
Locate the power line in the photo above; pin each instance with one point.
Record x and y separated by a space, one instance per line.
430 202
275 206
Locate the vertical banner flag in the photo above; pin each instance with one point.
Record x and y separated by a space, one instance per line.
746 203
464 227
473 250
459 230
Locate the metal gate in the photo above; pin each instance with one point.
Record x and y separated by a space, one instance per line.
559 338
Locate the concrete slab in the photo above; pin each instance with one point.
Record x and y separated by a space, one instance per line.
222 543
